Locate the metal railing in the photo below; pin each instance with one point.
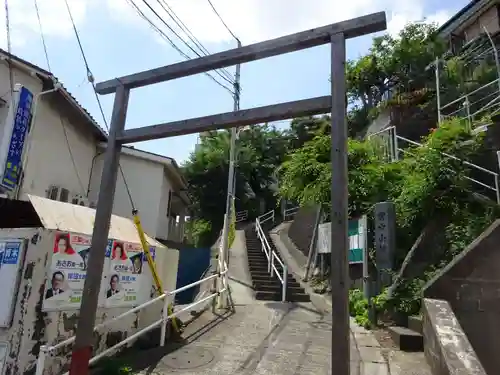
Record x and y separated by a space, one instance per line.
290 212
272 257
393 151
470 107
266 217
241 216
167 297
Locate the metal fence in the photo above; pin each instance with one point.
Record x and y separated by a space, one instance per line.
166 297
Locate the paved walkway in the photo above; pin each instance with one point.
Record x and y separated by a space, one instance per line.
260 338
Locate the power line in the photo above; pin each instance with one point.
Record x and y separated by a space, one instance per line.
164 36
42 36
168 9
9 50
90 77
222 20
72 157
230 81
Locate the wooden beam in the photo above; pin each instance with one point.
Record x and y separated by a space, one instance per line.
282 111
311 38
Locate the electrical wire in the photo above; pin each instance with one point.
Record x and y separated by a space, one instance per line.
171 13
72 157
9 50
42 36
90 77
222 20
169 40
229 80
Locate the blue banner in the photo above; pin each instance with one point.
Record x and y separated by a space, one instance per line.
13 164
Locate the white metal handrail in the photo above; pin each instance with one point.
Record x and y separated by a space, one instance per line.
290 212
266 217
395 139
271 258
47 350
241 216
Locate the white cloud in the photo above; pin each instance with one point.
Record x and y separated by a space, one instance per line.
257 20
53 14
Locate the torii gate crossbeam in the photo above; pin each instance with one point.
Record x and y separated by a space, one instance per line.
335 34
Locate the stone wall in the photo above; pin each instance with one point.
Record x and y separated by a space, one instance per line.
471 285
447 349
302 228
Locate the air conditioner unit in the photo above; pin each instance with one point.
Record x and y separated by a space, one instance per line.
57 193
80 200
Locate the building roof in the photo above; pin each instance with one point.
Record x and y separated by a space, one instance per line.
48 79
462 15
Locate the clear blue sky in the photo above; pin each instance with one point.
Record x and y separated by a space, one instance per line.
117 42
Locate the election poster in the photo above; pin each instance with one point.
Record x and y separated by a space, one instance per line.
68 268
125 274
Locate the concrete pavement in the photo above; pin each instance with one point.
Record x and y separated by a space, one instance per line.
260 338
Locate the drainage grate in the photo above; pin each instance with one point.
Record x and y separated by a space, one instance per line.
321 325
187 359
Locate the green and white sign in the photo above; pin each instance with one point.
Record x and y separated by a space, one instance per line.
357 239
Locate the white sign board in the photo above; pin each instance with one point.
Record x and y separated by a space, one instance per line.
324 238
11 254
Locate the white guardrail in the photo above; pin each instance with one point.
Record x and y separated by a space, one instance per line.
241 216
290 212
271 255
167 297
394 150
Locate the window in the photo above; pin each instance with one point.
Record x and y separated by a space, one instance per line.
64 195
53 192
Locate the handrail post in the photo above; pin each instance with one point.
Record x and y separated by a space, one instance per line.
285 282
270 263
40 362
497 188
395 142
165 320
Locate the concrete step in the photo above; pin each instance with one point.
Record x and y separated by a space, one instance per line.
278 288
416 323
276 296
406 339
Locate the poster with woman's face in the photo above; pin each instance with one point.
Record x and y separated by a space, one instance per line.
124 274
64 286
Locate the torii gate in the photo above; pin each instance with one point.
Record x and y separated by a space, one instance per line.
335 34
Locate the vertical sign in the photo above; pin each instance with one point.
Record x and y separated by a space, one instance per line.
13 161
11 256
357 239
385 239
324 238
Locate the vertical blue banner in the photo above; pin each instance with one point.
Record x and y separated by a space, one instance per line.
13 164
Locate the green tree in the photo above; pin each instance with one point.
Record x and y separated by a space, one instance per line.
260 150
394 65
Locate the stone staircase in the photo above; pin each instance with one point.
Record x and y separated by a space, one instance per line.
267 287
409 337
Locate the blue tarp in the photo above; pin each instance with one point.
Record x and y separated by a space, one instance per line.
192 263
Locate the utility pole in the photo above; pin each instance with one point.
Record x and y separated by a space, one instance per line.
84 340
340 241
231 174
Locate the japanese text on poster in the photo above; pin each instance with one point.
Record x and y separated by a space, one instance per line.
125 273
67 271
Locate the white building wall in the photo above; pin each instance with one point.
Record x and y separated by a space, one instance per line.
49 158
145 181
162 228
51 155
